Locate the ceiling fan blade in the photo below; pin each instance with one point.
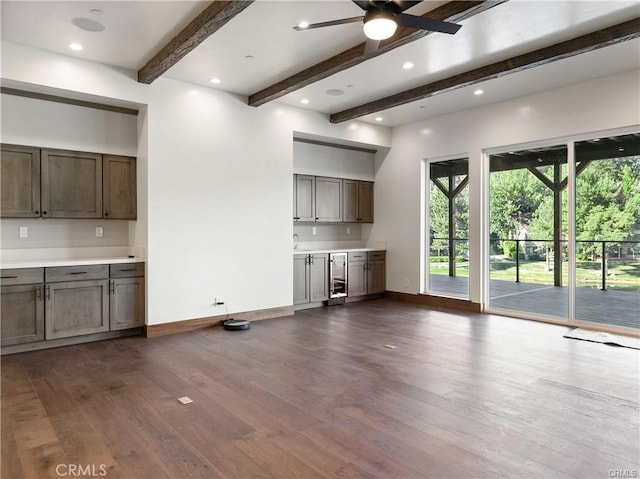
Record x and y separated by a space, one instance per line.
430 24
406 4
364 4
371 46
329 24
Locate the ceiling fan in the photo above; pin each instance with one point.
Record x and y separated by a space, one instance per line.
381 19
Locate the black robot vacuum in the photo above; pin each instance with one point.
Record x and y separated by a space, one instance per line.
236 325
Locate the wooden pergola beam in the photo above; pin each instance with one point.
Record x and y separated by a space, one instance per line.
214 17
585 43
455 11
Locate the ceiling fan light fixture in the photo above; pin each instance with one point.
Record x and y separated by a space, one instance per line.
379 25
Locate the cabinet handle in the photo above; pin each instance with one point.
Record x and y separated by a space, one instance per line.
8 277
112 287
44 212
48 292
39 294
130 269
37 212
106 214
78 272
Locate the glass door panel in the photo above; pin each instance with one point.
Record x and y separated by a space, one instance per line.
608 231
448 261
528 231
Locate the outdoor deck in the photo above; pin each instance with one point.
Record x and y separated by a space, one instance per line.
617 308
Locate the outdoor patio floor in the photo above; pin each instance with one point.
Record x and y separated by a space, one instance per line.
617 308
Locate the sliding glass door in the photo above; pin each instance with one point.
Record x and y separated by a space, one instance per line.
540 265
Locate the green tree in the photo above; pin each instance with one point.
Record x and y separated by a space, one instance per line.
515 196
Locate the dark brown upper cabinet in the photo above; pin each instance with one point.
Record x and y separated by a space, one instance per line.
119 187
358 201
51 183
20 178
71 184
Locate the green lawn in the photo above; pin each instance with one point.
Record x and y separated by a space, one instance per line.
620 276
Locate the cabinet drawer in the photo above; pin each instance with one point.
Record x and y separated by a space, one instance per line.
10 277
76 273
126 270
357 256
376 255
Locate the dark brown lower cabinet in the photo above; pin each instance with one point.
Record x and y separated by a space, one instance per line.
22 308
75 308
126 303
310 278
367 273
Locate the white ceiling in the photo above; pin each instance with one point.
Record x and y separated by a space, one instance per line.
258 47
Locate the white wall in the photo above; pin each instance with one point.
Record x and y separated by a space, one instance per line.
214 186
593 106
323 160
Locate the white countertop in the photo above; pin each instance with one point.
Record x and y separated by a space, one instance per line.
334 250
50 257
47 263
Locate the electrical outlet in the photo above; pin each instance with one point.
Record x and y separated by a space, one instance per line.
23 232
218 301
407 283
348 230
313 230
99 232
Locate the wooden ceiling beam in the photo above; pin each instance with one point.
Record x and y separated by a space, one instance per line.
214 17
592 41
454 11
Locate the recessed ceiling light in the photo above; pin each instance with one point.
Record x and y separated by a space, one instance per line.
334 92
478 92
88 24
303 24
215 80
407 66
620 149
75 47
304 101
596 139
378 118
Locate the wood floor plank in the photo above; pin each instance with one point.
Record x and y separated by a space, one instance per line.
317 394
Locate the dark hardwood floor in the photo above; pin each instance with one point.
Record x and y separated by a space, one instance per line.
319 395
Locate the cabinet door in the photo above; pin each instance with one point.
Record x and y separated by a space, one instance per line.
357 278
22 314
349 201
76 307
328 199
20 178
365 202
305 198
71 184
376 281
319 278
300 279
126 303
119 187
